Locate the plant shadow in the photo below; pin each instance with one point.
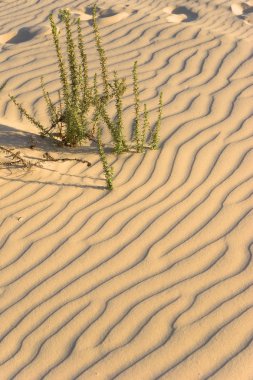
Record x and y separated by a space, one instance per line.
15 138
32 143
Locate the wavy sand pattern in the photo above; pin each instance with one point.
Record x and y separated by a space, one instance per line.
153 280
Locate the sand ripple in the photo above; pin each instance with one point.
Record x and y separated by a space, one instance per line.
153 280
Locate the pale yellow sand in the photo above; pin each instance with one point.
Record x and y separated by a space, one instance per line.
155 279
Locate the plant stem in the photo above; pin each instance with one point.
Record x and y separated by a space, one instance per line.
72 61
84 80
102 55
119 89
35 122
51 108
61 64
155 138
136 107
108 171
144 127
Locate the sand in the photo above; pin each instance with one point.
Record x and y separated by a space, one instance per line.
154 279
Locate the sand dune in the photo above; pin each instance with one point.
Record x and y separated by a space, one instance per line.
154 279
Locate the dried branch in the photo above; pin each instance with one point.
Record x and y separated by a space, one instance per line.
15 159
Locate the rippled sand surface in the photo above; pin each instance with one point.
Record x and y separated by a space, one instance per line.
154 279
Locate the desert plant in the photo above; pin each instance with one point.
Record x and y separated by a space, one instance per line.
155 137
43 130
137 134
108 170
102 56
83 109
145 128
119 88
68 120
83 71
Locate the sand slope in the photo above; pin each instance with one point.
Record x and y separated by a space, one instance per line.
153 280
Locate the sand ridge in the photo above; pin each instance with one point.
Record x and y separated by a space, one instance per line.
154 279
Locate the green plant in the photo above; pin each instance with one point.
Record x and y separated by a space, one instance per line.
108 170
34 121
155 137
83 72
119 87
83 108
145 127
137 134
102 56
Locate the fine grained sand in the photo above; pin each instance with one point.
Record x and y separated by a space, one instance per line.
153 280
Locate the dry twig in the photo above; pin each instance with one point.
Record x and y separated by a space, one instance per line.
15 159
